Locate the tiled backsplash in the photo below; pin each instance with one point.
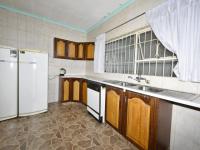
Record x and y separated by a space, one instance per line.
161 82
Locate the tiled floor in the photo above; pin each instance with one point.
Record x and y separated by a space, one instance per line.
64 127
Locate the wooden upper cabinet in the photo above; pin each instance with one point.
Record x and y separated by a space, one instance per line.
139 119
76 89
84 92
113 106
71 50
90 51
81 51
59 48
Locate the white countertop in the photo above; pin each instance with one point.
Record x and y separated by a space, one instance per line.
188 99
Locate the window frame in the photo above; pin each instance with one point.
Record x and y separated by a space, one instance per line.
136 61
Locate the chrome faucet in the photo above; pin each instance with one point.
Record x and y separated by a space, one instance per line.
130 77
139 78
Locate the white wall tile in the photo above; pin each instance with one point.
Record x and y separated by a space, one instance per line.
29 33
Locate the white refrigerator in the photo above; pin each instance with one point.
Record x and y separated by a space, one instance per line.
23 83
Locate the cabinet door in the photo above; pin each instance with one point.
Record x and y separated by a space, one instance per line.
71 50
84 92
90 51
113 107
66 90
139 119
59 48
81 53
76 89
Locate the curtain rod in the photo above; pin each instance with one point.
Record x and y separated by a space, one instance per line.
125 22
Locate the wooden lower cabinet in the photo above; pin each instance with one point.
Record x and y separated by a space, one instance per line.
84 92
114 98
76 84
140 120
73 89
64 89
135 116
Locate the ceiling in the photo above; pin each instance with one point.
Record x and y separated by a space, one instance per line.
80 15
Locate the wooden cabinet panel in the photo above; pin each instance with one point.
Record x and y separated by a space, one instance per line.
141 120
59 48
90 51
71 50
138 122
80 51
113 107
76 85
112 115
66 90
76 90
84 92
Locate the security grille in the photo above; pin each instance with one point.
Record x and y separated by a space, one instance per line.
139 53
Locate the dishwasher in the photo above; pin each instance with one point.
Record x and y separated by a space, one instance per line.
96 100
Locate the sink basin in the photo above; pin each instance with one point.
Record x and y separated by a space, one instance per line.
150 89
120 83
126 84
112 81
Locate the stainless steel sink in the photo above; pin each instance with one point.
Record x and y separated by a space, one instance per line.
112 81
126 84
120 83
150 89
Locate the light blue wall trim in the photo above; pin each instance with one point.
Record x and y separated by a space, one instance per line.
93 27
113 13
42 18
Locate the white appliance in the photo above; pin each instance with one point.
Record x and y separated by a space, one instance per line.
96 100
23 84
8 83
33 82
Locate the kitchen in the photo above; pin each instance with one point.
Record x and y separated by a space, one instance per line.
116 77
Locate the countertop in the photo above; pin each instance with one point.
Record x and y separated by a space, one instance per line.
188 99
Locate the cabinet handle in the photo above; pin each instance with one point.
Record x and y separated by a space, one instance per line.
125 99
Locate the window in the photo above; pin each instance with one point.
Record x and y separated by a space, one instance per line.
120 55
139 53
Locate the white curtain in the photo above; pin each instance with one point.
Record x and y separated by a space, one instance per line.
176 24
99 53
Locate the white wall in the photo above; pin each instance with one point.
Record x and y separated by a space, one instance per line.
138 7
185 131
21 31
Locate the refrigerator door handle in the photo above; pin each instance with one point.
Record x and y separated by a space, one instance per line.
13 53
8 61
27 62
